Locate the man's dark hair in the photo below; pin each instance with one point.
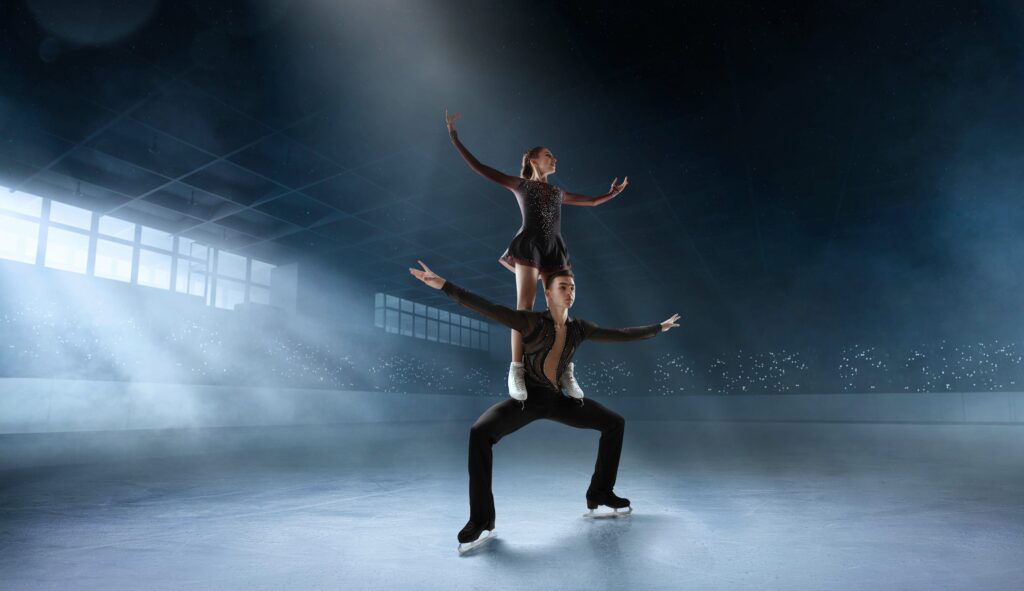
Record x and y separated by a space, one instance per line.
551 277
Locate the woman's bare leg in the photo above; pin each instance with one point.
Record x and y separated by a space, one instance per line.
526 294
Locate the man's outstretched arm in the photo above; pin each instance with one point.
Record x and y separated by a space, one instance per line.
516 319
594 332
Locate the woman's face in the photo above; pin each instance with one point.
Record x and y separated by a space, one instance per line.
544 162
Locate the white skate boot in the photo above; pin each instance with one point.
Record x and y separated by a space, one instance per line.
569 383
517 381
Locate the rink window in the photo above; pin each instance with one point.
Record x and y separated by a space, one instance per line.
19 226
405 317
40 231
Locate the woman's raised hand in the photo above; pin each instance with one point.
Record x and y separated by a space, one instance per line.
427 276
450 121
618 188
670 323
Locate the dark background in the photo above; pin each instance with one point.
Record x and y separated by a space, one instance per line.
819 179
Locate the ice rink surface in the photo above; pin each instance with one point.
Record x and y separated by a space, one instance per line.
717 506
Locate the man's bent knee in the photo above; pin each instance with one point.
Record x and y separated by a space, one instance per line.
480 434
615 423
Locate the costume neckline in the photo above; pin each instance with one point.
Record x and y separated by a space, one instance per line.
542 183
547 313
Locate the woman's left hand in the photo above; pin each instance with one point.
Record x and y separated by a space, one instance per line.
618 188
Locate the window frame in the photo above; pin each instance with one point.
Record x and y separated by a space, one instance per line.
207 265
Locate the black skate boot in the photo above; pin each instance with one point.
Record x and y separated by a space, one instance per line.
608 499
469 537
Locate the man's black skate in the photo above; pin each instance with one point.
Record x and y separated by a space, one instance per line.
469 537
608 499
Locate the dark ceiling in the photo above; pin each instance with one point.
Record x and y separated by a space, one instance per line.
766 147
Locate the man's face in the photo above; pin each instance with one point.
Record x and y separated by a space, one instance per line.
562 291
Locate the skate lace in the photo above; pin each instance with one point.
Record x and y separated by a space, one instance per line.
519 379
568 380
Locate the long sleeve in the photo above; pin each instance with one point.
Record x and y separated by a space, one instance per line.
520 320
594 332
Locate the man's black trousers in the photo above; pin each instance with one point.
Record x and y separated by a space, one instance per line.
541 403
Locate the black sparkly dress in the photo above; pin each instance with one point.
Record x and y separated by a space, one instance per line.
538 243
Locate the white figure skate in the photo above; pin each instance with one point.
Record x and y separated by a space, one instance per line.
569 383
517 381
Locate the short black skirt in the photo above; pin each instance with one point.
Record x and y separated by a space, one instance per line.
534 250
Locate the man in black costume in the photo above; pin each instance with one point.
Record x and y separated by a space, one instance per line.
550 339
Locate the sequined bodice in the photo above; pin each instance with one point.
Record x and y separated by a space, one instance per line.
541 205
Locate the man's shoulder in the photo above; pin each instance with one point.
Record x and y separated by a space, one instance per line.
583 323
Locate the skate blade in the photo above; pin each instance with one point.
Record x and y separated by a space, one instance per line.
470 546
593 513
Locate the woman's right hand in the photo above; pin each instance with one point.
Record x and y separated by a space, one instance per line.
509 182
427 276
450 121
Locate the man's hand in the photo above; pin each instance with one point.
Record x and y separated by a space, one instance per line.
670 323
427 276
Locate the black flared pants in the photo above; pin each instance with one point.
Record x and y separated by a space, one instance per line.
542 403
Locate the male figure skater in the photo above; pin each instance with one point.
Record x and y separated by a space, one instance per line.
550 339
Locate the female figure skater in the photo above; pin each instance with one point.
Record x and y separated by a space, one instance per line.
537 248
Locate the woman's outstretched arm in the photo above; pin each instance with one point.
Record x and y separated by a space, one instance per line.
574 199
509 182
